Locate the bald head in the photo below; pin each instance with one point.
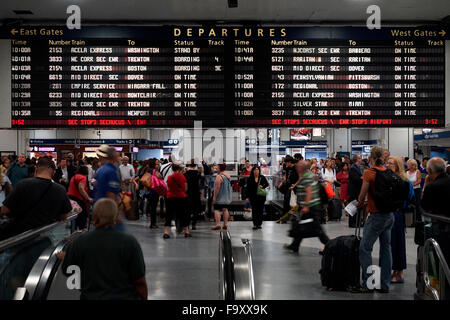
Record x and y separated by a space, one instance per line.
105 213
435 166
303 165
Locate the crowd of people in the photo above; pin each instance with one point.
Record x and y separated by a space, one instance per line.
36 192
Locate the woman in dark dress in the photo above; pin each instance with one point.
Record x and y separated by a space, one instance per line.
255 181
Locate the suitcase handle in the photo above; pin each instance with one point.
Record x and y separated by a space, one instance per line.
358 221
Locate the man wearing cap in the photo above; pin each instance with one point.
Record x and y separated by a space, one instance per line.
108 182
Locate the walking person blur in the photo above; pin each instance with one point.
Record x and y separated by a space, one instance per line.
310 207
176 200
78 192
398 241
256 192
222 197
107 179
193 178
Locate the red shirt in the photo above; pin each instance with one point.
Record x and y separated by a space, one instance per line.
176 184
73 186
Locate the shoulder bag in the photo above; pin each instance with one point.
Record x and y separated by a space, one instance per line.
260 191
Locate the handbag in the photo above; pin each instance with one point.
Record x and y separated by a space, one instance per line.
260 191
75 207
293 200
158 185
329 190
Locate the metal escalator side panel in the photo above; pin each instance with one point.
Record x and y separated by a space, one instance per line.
443 268
36 272
226 268
249 253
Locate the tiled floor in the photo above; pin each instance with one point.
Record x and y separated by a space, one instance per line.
187 268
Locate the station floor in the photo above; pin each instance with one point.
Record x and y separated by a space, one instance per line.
182 268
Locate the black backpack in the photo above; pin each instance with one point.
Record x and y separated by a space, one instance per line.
390 191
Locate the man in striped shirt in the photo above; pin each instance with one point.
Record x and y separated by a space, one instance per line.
308 199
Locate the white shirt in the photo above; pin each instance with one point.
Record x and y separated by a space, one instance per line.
166 171
412 177
328 174
126 172
2 192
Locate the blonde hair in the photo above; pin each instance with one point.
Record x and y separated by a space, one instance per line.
400 169
105 212
413 163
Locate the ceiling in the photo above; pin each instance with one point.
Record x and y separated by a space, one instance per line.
295 11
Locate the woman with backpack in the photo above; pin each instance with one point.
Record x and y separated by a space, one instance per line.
256 192
329 173
222 197
398 242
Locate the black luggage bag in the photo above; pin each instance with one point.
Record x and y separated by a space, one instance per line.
340 269
334 209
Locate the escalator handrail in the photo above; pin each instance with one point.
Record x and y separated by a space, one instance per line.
227 263
442 263
49 272
248 250
437 217
30 234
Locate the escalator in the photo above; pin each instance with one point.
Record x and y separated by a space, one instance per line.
236 281
433 272
46 280
21 252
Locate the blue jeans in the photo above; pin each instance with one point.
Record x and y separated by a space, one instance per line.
378 225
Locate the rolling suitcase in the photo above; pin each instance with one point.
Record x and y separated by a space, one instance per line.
340 268
334 209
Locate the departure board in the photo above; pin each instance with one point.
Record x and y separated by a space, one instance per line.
227 77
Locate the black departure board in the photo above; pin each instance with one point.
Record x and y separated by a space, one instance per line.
230 77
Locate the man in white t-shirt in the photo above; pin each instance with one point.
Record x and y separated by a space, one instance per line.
126 174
